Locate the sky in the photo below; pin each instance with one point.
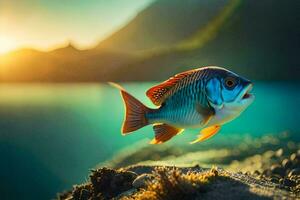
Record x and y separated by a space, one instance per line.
47 24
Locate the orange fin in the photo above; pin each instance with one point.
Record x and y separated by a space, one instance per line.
159 93
207 133
164 132
135 111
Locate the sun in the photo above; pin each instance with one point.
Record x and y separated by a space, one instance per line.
6 44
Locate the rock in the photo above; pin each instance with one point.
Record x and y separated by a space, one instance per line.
281 181
256 173
197 166
247 173
275 179
277 169
142 180
286 164
292 157
288 183
110 182
295 157
294 177
294 172
85 194
81 192
279 152
267 172
126 193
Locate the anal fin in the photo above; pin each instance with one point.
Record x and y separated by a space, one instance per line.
207 133
164 132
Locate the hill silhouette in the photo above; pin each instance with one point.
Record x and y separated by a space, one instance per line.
66 64
164 23
257 39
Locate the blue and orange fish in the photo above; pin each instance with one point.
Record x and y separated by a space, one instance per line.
203 98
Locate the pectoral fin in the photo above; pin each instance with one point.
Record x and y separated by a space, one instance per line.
207 133
205 112
164 132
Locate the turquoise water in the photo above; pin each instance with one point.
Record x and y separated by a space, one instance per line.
51 135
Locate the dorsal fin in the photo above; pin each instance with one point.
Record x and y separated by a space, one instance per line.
159 93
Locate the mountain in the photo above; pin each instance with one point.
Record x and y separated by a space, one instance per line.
258 39
66 64
164 23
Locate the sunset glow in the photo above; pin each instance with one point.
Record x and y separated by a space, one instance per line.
7 44
44 25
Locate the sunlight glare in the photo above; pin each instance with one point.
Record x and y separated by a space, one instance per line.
6 44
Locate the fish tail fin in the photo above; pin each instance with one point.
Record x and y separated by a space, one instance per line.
135 111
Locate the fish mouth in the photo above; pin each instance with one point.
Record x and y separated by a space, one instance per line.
246 93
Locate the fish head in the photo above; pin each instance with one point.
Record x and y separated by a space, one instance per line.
228 92
236 90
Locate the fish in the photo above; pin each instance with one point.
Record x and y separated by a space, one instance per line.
203 98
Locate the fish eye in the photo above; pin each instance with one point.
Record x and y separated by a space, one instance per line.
230 82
